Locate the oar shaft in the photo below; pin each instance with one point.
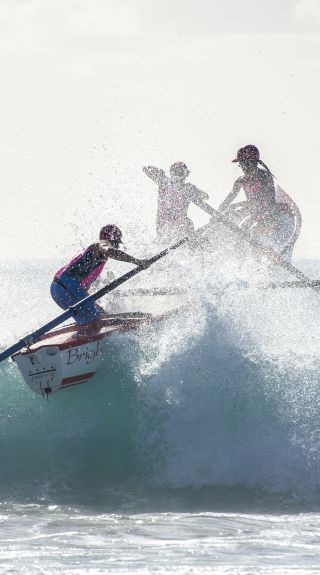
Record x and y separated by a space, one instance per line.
113 285
28 339
262 250
313 284
72 311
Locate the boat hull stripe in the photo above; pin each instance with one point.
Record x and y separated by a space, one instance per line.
77 378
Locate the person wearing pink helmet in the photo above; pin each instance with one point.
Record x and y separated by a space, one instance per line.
174 198
71 283
258 186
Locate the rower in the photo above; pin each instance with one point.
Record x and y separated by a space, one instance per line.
174 198
71 283
259 188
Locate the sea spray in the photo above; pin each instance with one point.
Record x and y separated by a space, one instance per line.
222 395
229 420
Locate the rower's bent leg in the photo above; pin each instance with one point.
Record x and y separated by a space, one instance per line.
68 292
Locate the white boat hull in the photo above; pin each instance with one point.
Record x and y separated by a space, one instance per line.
64 358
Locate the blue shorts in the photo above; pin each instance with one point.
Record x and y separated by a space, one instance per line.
70 293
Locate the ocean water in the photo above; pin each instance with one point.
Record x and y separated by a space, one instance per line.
195 449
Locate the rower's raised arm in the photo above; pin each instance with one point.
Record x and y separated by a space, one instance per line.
156 174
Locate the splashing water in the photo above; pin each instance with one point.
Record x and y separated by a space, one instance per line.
222 394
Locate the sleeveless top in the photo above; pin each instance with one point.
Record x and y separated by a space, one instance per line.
84 267
260 193
173 202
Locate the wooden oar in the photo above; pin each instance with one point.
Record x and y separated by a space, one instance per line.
313 284
261 250
72 311
151 292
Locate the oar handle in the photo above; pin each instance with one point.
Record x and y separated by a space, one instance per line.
72 311
113 285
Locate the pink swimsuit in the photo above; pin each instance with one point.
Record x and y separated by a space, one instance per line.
260 193
84 267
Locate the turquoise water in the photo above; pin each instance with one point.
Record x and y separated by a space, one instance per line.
194 450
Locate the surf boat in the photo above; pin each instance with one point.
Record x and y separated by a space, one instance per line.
65 357
51 359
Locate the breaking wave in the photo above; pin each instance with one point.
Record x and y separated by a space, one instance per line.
223 395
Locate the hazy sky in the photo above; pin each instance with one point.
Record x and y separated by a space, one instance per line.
94 89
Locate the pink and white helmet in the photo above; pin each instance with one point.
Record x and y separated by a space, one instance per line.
112 234
249 153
